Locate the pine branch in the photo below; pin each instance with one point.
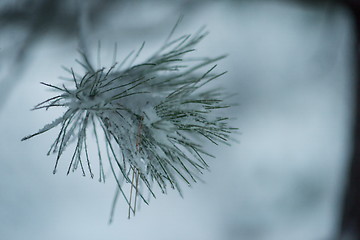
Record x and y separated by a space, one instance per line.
146 119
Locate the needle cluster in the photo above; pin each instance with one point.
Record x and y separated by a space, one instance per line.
147 121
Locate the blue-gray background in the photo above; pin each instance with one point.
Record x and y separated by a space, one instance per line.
291 66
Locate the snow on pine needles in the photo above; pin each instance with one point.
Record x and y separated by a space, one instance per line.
147 121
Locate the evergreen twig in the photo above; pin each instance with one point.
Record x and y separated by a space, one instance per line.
151 116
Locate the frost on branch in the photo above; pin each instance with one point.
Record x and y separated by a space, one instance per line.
148 120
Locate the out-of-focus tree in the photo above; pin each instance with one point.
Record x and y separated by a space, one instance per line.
350 212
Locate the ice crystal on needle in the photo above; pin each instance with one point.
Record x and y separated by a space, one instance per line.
147 120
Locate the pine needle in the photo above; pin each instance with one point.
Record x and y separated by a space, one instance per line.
151 118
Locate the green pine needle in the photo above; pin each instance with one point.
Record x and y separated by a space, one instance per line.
147 119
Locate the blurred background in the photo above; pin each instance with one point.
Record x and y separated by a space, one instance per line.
293 65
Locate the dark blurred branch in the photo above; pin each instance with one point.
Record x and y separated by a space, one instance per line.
350 216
